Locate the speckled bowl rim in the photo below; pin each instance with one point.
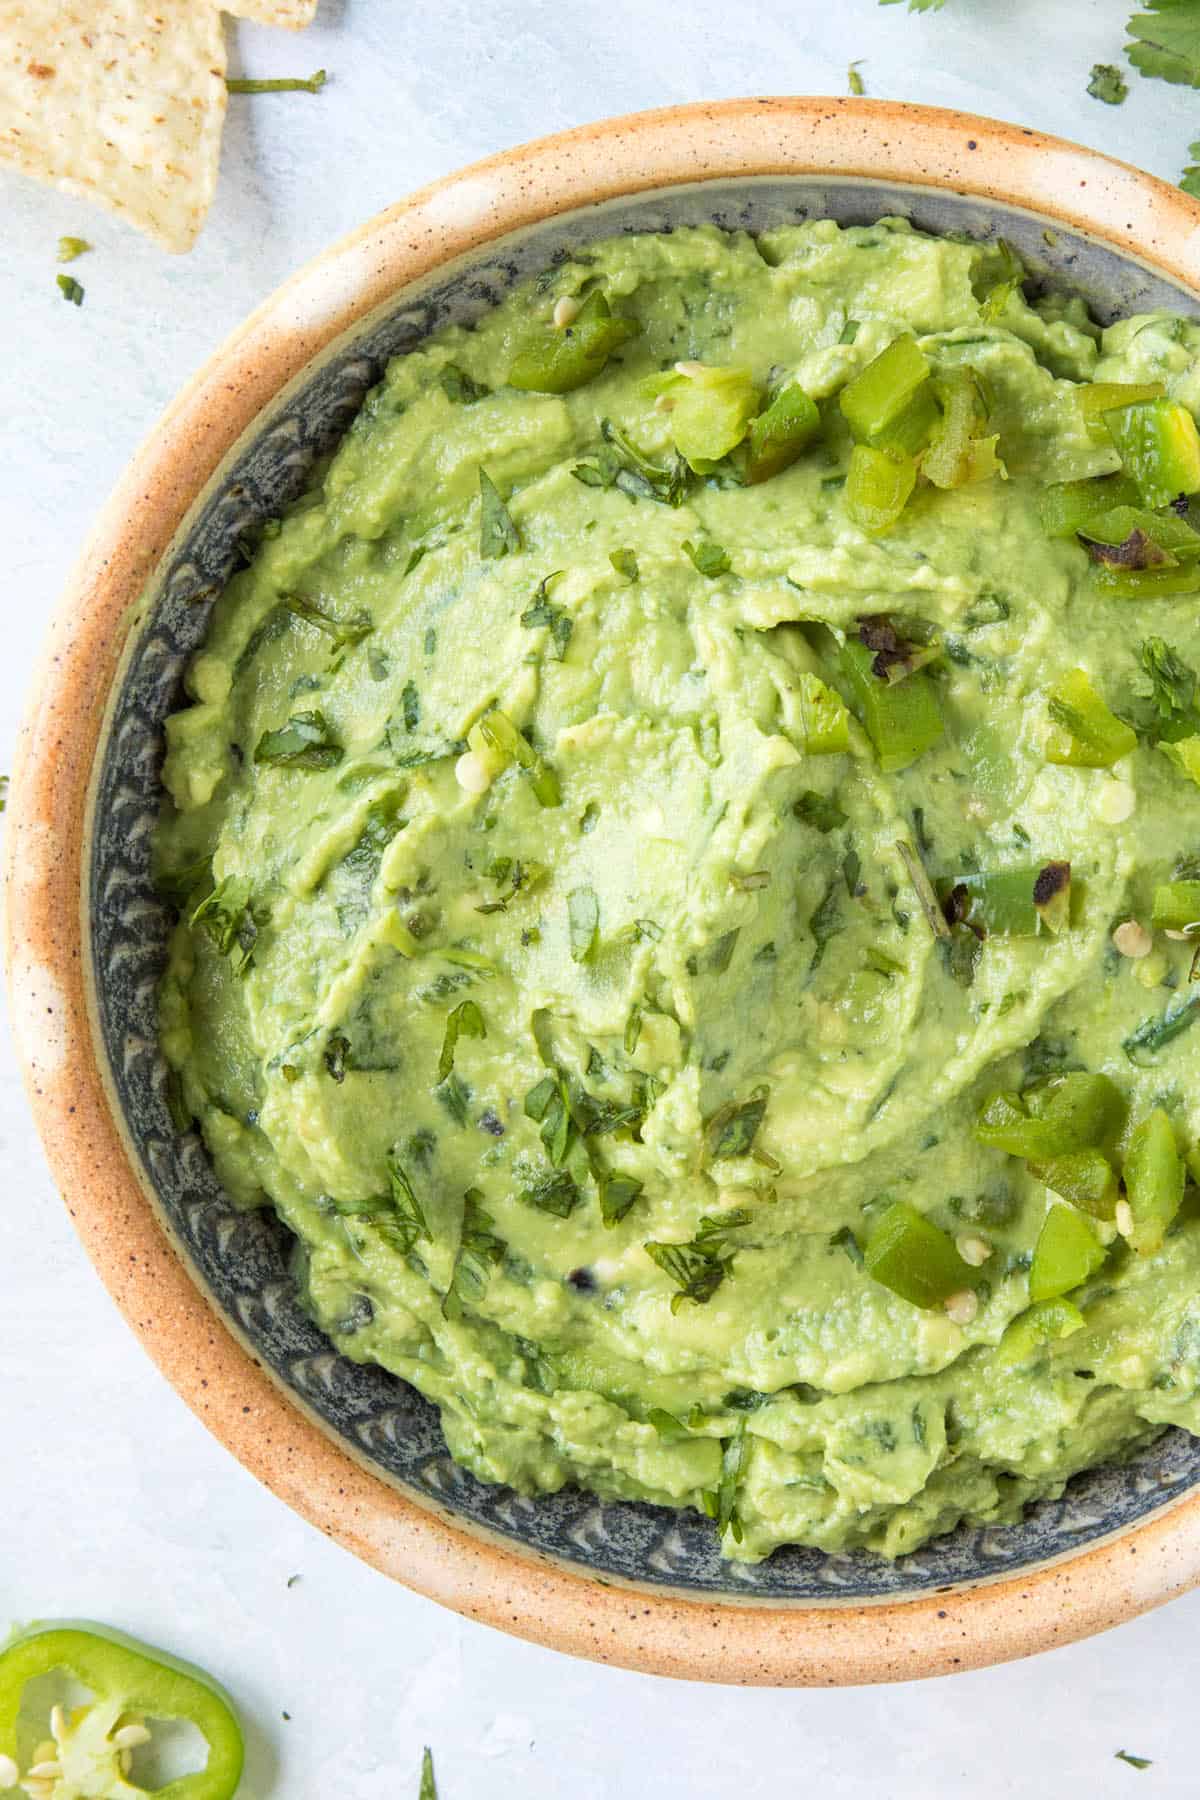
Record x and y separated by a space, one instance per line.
46 935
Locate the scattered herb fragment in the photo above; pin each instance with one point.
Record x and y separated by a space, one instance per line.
710 559
498 533
625 562
337 1056
307 741
1107 83
1135 1762
465 1021
821 811
1191 175
428 1789
699 1266
541 612
459 388
731 1130
583 922
71 247
70 289
854 80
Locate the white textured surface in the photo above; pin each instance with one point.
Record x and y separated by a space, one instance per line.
115 1503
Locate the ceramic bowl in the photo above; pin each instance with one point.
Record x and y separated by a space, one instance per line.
206 1287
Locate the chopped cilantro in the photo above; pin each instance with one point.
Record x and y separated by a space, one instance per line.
854 80
1191 175
625 562
479 1250
343 633
465 1021
699 1266
228 916
1174 693
459 388
731 1131
410 703
428 1789
557 1193
826 920
845 1239
548 1105
710 559
307 741
498 533
71 247
583 922
70 289
541 612
821 811
617 1194
1135 1762
1107 83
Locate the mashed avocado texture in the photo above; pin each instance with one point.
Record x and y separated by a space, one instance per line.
658 789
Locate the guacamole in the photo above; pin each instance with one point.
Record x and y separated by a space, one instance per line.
685 841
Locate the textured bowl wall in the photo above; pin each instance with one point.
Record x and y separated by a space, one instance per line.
241 1259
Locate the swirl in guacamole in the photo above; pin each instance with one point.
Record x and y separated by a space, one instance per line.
687 841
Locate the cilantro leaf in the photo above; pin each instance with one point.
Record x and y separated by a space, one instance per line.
1167 41
70 289
557 1193
498 533
731 1130
617 1194
1135 1762
459 388
583 922
465 1021
307 741
699 1266
1174 692
428 1788
541 612
479 1250
710 559
1107 83
228 916
625 562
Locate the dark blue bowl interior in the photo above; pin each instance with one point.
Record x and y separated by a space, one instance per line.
242 1259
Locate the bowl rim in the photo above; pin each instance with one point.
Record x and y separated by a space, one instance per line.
52 1009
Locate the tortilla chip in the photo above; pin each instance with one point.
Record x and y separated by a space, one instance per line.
295 14
121 101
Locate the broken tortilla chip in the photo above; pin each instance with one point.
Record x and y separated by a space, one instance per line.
295 14
117 101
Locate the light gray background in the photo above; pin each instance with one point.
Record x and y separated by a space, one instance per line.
115 1503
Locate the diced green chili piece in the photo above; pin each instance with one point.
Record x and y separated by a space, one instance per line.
996 902
1176 906
958 452
1086 734
1066 1254
711 411
902 719
1162 531
912 1257
1095 398
1154 1181
824 717
124 1678
497 733
1147 584
1045 1323
879 484
1068 507
1084 1177
1159 447
781 433
561 359
1074 1112
881 398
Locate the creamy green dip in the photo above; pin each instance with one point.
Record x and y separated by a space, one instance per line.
461 995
